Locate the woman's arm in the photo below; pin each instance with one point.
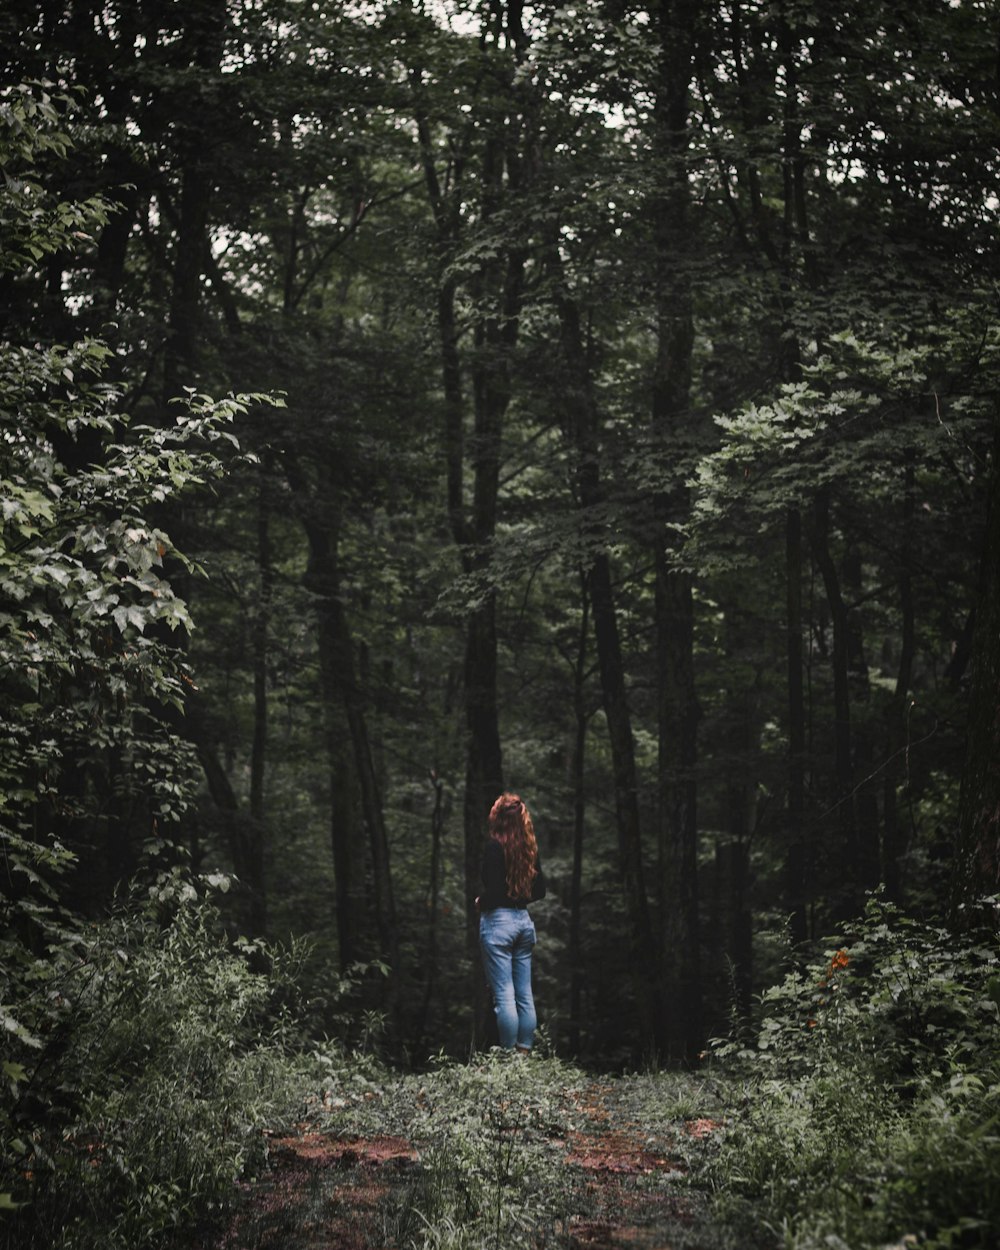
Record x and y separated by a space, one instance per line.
538 885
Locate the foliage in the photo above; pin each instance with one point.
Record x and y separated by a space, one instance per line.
858 408
488 1180
86 605
90 679
165 1057
33 225
869 1102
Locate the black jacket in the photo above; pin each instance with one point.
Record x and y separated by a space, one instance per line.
494 893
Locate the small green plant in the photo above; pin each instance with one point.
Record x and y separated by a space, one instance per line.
490 1175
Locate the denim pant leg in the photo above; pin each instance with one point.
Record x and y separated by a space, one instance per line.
521 976
506 936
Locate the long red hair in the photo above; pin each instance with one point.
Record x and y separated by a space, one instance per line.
510 825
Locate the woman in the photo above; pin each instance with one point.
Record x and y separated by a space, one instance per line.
512 878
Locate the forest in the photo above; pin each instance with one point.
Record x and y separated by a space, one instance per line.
408 401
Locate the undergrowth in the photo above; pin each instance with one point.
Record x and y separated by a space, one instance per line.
863 1114
490 1175
866 1112
497 1138
141 1100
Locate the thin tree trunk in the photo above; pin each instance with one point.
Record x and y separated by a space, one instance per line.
433 891
345 679
258 750
644 960
346 840
340 684
896 772
741 738
121 175
977 863
345 836
797 866
183 336
843 791
734 922
673 437
863 750
204 34
580 718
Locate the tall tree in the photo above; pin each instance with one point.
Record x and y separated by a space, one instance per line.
582 419
977 863
676 24
474 177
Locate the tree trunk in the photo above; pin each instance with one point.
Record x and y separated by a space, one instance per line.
112 245
204 34
258 749
977 863
580 720
433 902
741 741
897 715
581 420
863 751
340 683
345 836
678 716
677 705
843 788
734 922
642 948
798 863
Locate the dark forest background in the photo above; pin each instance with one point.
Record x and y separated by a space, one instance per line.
616 399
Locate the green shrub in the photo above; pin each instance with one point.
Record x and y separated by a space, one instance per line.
868 1108
942 1175
145 1105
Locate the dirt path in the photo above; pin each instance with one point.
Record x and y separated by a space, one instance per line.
620 1181
633 1181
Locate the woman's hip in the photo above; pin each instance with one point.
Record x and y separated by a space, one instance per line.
506 926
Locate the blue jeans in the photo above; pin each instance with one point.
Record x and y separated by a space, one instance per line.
506 936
